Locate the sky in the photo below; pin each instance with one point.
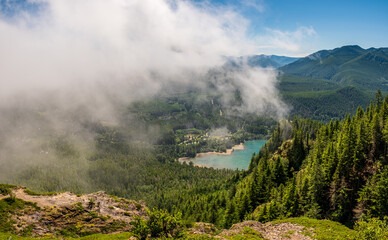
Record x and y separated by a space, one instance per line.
300 27
101 54
290 27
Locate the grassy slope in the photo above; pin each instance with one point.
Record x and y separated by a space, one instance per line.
323 229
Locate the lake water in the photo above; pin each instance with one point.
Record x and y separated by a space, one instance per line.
238 159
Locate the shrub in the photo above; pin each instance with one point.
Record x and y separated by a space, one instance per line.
140 229
372 229
159 224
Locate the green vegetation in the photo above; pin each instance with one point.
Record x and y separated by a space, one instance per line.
123 160
8 206
308 170
158 224
332 83
119 236
5 189
32 193
372 229
333 171
347 66
246 234
317 229
322 229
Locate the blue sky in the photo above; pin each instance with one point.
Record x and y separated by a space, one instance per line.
313 25
293 27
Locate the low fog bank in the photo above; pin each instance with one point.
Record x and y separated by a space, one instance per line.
68 65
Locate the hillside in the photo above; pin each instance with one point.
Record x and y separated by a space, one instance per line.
335 171
342 79
327 104
135 158
27 213
347 66
91 216
323 64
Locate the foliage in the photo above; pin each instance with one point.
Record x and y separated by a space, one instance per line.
7 206
32 193
5 189
373 229
322 229
332 83
158 224
123 160
246 234
347 65
335 171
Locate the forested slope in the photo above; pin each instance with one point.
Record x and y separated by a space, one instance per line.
335 171
331 83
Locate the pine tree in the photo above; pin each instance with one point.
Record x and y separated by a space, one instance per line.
377 138
291 200
278 172
231 215
297 151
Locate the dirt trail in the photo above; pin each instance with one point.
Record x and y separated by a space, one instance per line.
60 199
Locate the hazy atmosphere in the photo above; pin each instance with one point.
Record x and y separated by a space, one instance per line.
87 52
193 119
67 63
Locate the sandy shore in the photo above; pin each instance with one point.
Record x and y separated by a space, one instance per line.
228 152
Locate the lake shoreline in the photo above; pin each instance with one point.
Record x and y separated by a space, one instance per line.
228 152
227 160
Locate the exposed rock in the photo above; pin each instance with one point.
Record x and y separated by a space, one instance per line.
203 228
269 231
68 213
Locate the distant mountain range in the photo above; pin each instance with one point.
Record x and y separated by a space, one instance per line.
348 66
331 83
262 60
328 83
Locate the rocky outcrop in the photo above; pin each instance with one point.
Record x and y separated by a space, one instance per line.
74 215
255 230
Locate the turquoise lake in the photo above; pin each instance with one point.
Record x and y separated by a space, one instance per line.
239 159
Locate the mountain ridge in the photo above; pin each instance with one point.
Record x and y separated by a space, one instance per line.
348 65
262 60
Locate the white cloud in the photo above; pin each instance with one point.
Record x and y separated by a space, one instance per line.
287 42
125 49
93 39
258 5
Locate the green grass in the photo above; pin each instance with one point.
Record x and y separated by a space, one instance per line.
5 189
8 236
323 229
247 233
10 205
106 236
32 193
